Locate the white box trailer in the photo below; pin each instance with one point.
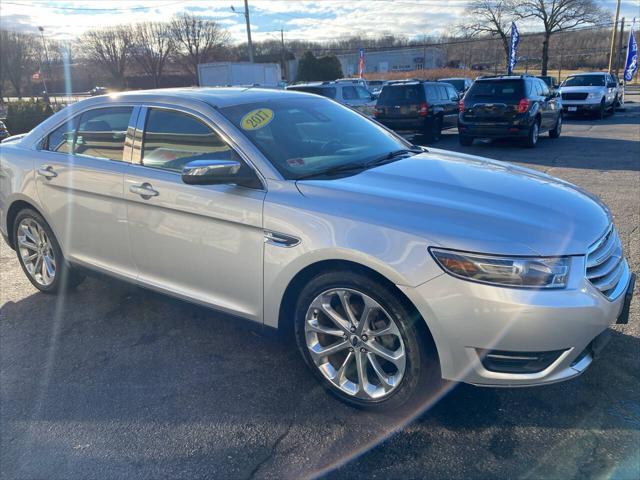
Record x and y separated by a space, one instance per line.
222 74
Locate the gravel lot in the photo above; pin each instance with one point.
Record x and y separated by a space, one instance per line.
117 382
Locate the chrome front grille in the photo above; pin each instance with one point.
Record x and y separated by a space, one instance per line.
606 266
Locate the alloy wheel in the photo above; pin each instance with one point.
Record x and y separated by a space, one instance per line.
355 344
36 252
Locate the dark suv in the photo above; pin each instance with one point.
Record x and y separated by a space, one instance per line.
415 105
509 106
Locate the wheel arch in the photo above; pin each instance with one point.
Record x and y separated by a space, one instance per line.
12 212
296 284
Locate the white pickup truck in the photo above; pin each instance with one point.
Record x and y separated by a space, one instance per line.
594 93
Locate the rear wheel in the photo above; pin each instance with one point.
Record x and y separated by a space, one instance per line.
465 140
433 129
40 255
363 344
555 132
532 138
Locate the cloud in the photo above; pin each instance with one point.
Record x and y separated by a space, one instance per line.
301 19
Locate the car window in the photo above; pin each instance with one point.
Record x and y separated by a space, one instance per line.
585 81
329 92
61 139
173 139
401 95
302 136
101 133
452 94
442 92
349 93
363 93
432 93
497 89
544 89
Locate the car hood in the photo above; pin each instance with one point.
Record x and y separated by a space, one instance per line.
468 203
582 89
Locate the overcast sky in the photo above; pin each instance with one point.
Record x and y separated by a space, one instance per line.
310 20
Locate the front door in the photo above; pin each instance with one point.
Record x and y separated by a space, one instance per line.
202 242
80 175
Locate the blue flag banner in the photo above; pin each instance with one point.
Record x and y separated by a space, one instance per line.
513 50
631 66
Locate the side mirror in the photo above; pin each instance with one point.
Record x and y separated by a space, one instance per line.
217 172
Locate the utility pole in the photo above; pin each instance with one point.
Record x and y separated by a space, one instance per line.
282 55
246 17
619 57
46 56
613 36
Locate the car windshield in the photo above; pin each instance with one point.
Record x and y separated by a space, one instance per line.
309 136
584 81
458 83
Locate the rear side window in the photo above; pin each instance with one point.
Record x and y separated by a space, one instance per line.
401 95
433 94
499 89
101 133
173 139
355 93
61 139
442 92
452 94
329 92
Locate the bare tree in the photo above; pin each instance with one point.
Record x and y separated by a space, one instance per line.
17 57
111 48
559 15
492 18
152 45
198 40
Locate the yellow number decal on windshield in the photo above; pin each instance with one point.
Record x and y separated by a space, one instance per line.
256 119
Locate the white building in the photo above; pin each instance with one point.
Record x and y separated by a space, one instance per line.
396 60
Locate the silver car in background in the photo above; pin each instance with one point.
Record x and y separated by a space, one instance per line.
391 266
595 93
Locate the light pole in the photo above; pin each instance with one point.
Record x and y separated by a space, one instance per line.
613 36
46 56
246 18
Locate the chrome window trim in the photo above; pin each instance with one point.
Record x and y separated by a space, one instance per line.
138 141
37 145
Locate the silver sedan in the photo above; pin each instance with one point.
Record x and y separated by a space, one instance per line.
392 266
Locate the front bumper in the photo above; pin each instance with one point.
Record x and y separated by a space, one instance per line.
569 106
468 319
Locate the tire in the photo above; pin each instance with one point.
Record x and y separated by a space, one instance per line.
602 112
532 137
40 255
555 132
433 130
417 372
465 140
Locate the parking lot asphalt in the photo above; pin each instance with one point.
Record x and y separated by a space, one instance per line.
116 382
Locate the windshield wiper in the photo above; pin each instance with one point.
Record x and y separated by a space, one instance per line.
350 167
347 167
381 160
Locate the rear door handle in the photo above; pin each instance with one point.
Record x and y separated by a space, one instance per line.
47 171
144 190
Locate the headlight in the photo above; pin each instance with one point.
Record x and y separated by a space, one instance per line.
529 272
592 95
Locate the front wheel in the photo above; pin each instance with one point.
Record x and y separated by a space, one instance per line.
363 344
40 255
555 133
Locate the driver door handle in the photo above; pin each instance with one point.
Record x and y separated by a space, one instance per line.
144 190
47 171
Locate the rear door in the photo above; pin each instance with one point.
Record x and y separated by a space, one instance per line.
451 106
80 184
203 242
549 105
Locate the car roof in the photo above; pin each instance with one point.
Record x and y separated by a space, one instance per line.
214 96
588 74
452 78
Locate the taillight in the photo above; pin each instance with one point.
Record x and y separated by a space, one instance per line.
461 106
423 109
524 105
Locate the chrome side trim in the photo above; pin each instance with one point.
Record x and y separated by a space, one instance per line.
280 239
